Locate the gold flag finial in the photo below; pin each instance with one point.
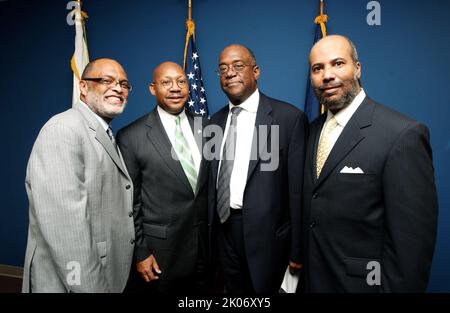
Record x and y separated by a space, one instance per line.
190 31
321 19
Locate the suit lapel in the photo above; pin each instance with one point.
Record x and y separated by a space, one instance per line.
221 121
102 137
350 137
161 142
263 118
104 140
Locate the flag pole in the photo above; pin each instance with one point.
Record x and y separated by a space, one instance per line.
189 9
190 31
197 103
84 18
321 20
80 56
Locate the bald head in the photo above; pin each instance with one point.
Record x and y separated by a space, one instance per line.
95 64
164 67
170 87
332 40
248 51
335 72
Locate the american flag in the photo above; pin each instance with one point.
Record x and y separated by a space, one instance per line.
197 95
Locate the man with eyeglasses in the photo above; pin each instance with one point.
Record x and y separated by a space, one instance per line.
162 153
254 212
81 234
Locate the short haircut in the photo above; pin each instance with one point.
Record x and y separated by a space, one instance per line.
252 55
355 57
91 66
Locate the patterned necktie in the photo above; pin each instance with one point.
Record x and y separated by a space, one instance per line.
110 133
226 168
184 155
324 145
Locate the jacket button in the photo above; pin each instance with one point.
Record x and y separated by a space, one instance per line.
132 241
130 214
127 187
312 224
315 195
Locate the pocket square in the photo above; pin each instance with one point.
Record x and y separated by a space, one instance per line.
351 170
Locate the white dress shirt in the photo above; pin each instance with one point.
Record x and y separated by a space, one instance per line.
168 121
342 117
245 127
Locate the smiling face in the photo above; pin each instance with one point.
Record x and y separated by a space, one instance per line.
238 85
334 73
170 87
107 102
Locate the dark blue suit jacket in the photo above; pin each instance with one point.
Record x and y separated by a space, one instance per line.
272 199
388 214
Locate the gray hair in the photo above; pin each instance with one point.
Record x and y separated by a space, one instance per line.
354 55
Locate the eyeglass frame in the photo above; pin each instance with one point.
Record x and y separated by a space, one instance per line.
171 83
112 84
232 66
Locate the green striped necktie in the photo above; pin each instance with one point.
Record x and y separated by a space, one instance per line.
184 155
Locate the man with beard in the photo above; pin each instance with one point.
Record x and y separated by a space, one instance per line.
370 199
162 153
81 234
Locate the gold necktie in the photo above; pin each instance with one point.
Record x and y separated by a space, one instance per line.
324 145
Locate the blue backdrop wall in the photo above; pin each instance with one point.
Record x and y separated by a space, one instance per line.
405 65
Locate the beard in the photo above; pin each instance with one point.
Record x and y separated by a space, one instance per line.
102 107
335 105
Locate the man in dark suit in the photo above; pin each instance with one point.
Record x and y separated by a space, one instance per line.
255 200
370 197
162 151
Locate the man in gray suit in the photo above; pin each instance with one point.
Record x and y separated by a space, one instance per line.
81 234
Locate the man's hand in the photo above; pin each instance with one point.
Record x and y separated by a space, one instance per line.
146 268
294 267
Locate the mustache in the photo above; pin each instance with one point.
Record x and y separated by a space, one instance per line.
329 85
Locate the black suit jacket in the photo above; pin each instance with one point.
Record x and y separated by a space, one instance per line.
272 199
388 214
170 220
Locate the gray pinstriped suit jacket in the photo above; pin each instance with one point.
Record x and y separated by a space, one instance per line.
80 197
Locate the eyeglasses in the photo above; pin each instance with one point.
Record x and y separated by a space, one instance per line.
168 83
236 66
110 83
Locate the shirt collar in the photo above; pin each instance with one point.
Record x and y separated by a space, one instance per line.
101 120
166 115
344 115
249 105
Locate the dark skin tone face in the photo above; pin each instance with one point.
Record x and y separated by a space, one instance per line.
165 87
107 102
238 86
334 74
